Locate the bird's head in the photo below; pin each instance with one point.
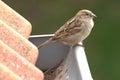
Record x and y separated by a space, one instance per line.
86 14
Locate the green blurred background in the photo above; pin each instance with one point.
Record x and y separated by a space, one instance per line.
102 46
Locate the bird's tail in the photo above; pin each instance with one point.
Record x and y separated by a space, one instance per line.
45 43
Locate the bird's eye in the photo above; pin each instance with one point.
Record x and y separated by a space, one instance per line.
87 14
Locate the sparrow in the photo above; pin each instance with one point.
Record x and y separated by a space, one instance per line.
74 30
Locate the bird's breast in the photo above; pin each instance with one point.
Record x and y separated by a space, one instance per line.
91 23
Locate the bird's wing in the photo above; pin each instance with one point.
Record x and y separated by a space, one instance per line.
69 28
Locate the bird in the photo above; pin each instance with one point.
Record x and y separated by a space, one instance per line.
74 30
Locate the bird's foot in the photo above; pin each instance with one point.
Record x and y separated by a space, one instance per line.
81 45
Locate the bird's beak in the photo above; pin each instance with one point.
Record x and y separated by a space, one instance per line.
94 16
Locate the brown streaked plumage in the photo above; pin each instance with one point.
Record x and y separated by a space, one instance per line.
74 30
